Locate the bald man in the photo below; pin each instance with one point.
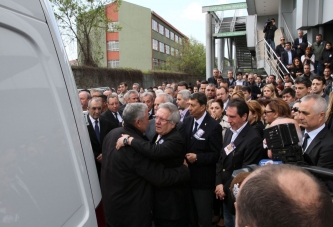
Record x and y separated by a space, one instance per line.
283 195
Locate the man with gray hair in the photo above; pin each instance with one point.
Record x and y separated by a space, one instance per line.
182 103
131 96
148 99
160 99
167 146
128 176
317 140
97 129
84 97
136 87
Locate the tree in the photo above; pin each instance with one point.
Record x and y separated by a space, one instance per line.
191 58
83 21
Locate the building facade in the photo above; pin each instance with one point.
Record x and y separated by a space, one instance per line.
144 41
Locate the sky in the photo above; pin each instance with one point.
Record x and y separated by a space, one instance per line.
185 15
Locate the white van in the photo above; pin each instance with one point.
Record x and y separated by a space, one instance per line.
47 170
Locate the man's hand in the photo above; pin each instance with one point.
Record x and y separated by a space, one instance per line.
99 158
219 192
191 157
185 162
120 141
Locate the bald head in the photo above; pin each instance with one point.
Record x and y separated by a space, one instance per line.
288 192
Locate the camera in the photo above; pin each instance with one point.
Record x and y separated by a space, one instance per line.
283 141
269 23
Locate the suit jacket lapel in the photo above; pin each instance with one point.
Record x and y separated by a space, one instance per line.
202 126
242 134
315 141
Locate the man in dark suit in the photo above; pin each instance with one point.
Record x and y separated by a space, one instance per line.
203 142
231 80
131 96
112 114
161 98
128 176
255 90
148 99
242 146
170 203
213 79
97 128
300 44
182 103
317 139
287 56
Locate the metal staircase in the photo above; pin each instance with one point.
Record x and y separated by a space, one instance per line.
244 59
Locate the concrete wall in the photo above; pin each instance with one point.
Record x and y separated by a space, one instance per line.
135 44
327 11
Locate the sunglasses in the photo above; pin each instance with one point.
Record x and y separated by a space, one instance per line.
295 109
282 39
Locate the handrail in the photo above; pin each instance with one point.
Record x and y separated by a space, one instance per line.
288 33
233 22
274 63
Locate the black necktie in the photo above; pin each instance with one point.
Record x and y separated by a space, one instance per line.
195 128
97 131
115 115
305 141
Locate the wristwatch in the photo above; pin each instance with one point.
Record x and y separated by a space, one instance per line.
125 141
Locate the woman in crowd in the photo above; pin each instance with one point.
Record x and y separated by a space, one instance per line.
269 91
238 94
308 58
216 112
326 58
254 118
297 68
209 103
294 111
275 109
279 89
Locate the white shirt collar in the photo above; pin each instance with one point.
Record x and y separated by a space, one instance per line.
93 121
313 133
199 121
238 130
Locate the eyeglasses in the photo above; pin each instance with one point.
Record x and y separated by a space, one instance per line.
295 109
282 39
160 119
270 111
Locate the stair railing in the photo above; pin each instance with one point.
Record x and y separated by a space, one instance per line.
271 59
287 32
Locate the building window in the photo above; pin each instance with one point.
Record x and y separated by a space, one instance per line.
155 62
176 38
154 25
113 46
161 47
113 63
172 51
161 29
155 44
180 41
172 35
167 33
167 49
113 26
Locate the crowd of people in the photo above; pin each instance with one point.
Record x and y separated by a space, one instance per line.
166 154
